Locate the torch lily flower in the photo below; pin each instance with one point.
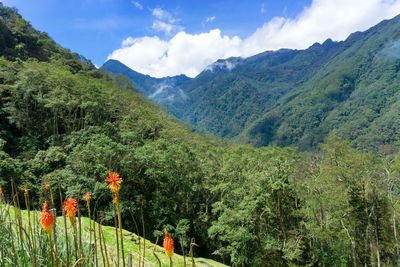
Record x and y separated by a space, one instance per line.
87 196
70 207
114 182
168 245
25 189
47 219
46 186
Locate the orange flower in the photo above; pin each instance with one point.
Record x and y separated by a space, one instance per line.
47 186
168 245
1 191
47 219
25 189
70 207
114 182
87 196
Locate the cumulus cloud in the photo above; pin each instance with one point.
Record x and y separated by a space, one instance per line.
191 53
184 53
323 19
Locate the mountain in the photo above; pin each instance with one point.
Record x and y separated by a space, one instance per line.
163 91
354 95
297 97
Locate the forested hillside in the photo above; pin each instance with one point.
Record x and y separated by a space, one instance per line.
299 97
67 124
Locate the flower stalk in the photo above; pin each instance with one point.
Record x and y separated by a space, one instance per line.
70 207
115 185
47 221
87 197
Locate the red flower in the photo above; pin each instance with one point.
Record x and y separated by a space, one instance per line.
70 207
1 191
87 196
168 245
114 182
47 219
47 186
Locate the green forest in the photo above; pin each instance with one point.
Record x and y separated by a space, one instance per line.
67 124
295 97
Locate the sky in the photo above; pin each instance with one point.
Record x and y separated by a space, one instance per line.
166 38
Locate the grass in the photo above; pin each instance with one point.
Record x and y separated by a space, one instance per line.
131 244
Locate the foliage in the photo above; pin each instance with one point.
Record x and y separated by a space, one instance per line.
296 97
67 124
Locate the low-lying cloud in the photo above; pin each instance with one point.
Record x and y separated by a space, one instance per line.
191 53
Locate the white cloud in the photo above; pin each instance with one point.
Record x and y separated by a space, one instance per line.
161 14
210 19
323 19
191 53
167 28
137 5
184 53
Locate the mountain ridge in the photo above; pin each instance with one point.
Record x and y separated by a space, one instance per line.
294 97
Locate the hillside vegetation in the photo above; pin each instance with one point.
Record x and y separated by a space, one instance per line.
67 124
297 97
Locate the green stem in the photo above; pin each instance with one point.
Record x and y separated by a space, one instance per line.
54 212
116 234
154 250
18 219
120 231
104 245
80 252
90 231
75 242
101 244
51 250
12 240
95 239
65 223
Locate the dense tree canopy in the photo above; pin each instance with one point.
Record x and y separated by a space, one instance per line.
67 124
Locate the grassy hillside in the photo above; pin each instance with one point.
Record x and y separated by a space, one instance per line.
131 242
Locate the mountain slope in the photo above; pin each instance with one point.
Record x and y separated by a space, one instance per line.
163 91
355 95
299 97
228 100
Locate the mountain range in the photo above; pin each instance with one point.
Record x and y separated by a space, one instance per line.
291 97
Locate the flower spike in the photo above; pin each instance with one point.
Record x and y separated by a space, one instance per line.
47 219
87 196
70 208
168 245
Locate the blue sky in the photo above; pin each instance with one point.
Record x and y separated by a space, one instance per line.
171 37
